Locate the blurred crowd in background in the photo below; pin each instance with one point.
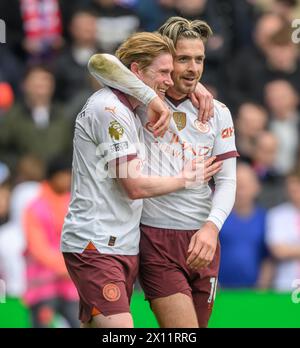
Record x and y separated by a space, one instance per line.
252 65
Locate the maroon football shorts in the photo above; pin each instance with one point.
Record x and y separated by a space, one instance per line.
104 282
163 270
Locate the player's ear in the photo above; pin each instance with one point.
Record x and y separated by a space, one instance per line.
134 67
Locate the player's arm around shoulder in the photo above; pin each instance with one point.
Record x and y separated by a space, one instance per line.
137 185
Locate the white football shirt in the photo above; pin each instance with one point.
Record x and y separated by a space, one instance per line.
100 211
186 139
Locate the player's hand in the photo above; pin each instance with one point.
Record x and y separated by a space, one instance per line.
209 167
202 247
159 117
202 99
200 171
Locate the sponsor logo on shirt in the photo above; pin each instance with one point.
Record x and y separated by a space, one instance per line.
119 147
180 120
227 132
111 109
115 130
202 127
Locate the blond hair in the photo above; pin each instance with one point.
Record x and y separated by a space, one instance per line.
177 28
143 47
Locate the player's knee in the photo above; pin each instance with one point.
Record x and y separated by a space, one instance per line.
122 320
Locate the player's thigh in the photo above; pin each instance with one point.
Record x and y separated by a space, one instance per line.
175 311
122 320
204 288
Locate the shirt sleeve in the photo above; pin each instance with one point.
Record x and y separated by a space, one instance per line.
224 145
224 195
115 133
109 71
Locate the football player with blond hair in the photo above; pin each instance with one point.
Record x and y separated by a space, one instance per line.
101 233
179 246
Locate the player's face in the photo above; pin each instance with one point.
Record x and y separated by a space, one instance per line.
188 66
158 74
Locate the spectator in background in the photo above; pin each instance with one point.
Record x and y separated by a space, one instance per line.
282 101
285 8
283 235
244 261
6 98
263 163
71 66
29 173
127 3
4 173
265 151
282 58
35 124
74 106
50 289
4 211
239 17
217 46
4 202
247 84
153 14
251 121
115 23
34 28
10 69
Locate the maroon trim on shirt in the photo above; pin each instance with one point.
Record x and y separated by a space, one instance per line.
123 159
227 155
123 98
175 101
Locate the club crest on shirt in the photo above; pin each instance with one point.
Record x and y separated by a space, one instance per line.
115 130
111 292
180 120
202 127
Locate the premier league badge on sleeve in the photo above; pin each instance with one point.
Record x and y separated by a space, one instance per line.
115 130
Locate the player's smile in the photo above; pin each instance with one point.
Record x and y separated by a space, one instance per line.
161 91
158 74
190 81
188 67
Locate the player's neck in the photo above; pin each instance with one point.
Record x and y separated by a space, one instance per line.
174 94
133 102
